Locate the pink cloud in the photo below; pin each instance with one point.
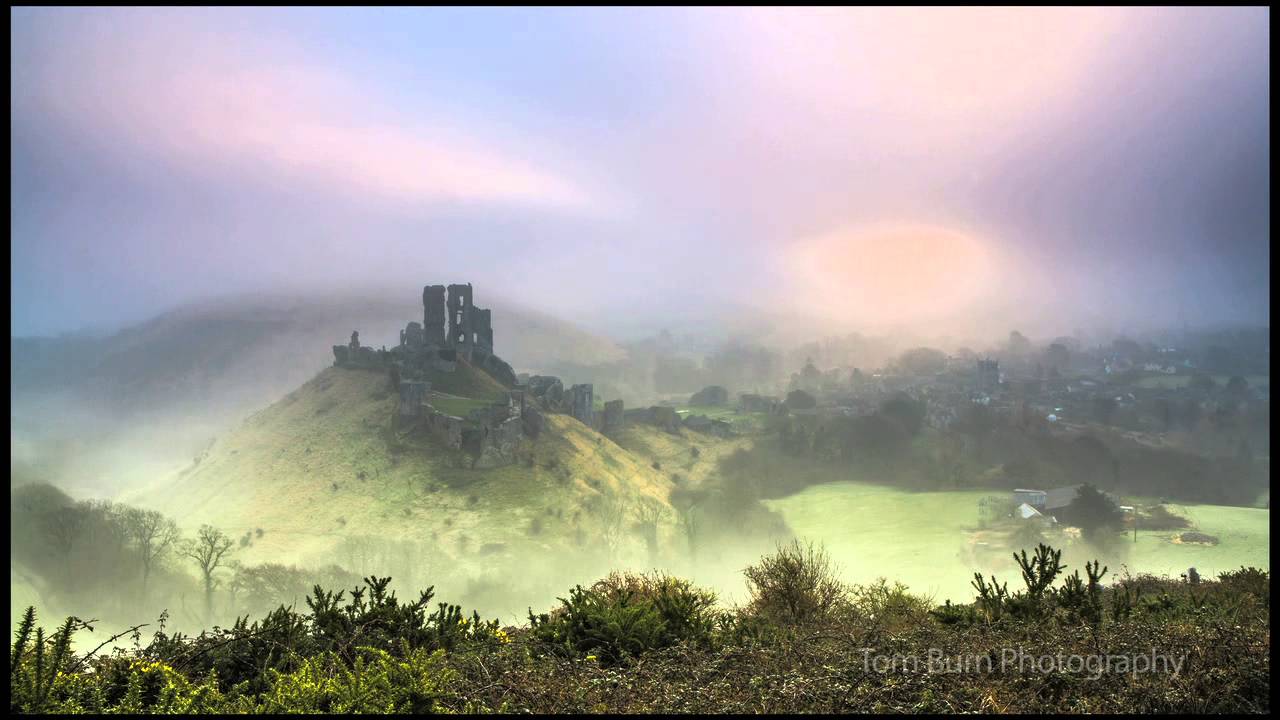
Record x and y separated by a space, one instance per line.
929 75
163 86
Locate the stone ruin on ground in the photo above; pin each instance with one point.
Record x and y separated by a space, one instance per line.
454 330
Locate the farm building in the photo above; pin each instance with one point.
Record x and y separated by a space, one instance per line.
1026 512
1034 498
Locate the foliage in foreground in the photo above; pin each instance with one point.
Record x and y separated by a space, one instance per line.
624 615
648 643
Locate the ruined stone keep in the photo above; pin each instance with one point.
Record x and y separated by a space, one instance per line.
453 330
452 327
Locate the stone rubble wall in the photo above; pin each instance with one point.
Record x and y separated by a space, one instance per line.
614 417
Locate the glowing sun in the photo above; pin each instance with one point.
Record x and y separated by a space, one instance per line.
892 273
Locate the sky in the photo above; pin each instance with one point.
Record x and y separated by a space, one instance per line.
938 170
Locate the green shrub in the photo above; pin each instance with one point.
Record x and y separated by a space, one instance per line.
1249 580
1083 601
377 682
368 651
626 614
891 603
957 615
686 611
590 623
36 662
992 597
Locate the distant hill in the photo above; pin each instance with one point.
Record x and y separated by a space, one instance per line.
250 348
97 414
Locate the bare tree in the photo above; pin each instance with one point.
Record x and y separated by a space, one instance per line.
66 526
111 530
612 514
105 557
648 514
796 584
687 505
236 587
154 535
208 551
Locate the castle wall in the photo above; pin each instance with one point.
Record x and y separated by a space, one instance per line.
614 417
361 356
434 315
499 444
446 429
461 320
413 336
413 394
481 323
582 403
548 390
666 418
445 360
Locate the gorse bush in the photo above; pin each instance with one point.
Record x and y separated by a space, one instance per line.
36 663
382 622
410 682
686 611
1081 600
1248 580
1238 596
645 643
590 623
626 614
365 652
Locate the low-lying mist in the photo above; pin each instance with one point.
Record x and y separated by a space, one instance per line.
101 425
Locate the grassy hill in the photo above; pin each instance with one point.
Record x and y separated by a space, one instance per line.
323 467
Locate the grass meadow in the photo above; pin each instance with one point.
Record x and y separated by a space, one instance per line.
927 539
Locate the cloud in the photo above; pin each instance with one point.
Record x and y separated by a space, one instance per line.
924 76
700 156
167 87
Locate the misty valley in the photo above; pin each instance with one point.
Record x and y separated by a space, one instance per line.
656 360
850 472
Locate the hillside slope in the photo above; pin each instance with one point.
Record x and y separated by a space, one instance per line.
323 465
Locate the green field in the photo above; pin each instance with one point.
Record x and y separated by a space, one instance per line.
876 531
923 538
1243 533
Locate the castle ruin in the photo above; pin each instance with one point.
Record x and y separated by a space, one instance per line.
454 330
